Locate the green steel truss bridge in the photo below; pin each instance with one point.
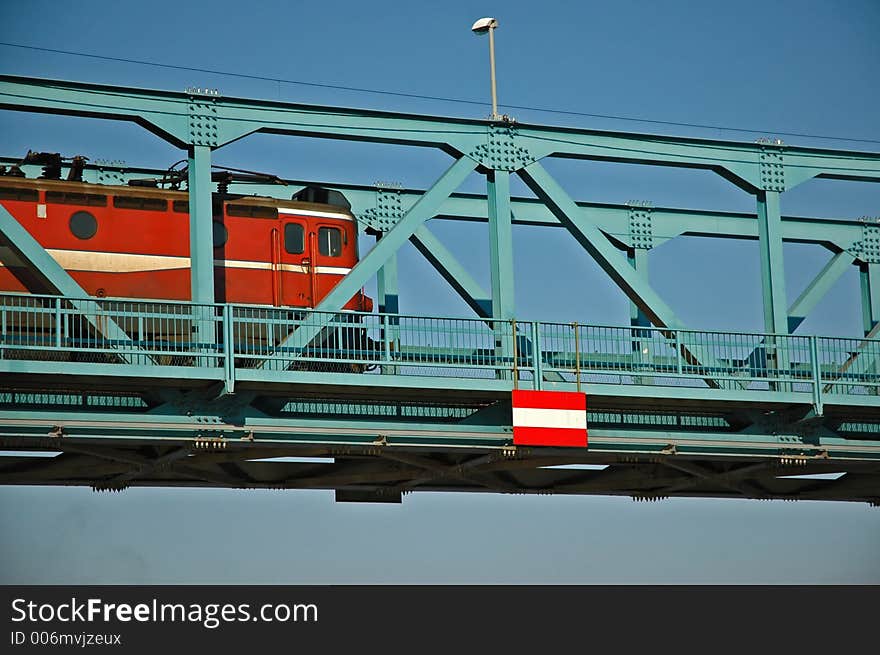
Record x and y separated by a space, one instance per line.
375 406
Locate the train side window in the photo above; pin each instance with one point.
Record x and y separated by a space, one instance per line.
13 193
251 211
330 241
137 202
65 198
181 206
294 238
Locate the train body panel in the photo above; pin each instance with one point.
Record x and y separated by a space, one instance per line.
133 242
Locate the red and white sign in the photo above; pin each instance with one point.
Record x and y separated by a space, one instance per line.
549 418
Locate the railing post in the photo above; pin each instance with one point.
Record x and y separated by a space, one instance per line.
782 344
387 337
577 355
537 359
58 322
228 349
515 349
817 375
678 357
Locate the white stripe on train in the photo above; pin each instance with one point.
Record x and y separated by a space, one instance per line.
118 262
307 212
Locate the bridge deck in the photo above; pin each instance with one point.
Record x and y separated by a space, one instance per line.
128 395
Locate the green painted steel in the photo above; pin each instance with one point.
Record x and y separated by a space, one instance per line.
818 288
452 271
673 411
201 245
386 456
869 278
388 292
122 426
597 244
500 245
172 115
387 246
772 263
387 286
611 219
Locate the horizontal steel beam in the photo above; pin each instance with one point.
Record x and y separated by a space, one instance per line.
643 473
612 219
168 114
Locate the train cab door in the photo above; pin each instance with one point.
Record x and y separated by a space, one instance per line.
294 273
331 256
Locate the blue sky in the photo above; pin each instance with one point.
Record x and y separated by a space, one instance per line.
802 67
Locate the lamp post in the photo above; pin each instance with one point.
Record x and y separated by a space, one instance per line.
481 27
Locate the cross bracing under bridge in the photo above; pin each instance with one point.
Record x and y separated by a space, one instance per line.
393 403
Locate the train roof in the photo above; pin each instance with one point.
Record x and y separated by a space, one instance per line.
168 194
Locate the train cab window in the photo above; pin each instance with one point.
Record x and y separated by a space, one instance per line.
83 225
330 241
143 203
65 198
294 239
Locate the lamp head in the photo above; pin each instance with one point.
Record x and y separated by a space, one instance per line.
483 25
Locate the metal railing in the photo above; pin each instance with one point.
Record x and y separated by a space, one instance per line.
528 354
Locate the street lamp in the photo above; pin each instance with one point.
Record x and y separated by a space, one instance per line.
481 27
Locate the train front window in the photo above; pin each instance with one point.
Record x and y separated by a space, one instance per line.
294 239
330 241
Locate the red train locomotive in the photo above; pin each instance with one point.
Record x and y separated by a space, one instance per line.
133 241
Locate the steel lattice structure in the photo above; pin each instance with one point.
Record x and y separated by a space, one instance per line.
671 411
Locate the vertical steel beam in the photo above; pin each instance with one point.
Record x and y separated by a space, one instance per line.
638 259
388 300
386 282
773 281
869 278
501 266
500 244
201 246
772 265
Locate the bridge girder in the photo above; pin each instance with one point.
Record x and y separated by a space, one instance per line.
776 403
